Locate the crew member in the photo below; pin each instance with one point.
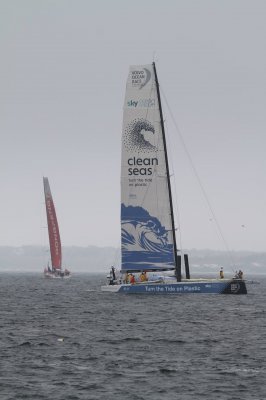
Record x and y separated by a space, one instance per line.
127 278
240 274
112 273
132 279
221 273
143 276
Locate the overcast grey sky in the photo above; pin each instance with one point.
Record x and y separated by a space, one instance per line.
63 71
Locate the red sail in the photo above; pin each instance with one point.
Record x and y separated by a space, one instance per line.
53 230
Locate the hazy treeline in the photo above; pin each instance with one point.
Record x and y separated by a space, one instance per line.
77 259
99 259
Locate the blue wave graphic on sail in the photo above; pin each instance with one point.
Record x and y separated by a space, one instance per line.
145 242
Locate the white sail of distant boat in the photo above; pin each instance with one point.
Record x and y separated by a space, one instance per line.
148 243
54 237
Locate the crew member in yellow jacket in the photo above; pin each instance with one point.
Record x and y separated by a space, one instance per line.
143 276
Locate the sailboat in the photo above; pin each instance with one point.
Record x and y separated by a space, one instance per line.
55 271
150 260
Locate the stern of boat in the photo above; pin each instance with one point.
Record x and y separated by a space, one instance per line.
235 286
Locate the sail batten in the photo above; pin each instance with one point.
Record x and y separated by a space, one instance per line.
53 229
147 234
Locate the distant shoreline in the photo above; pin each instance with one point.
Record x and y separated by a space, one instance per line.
97 260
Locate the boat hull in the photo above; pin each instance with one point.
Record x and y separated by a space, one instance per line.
221 286
53 276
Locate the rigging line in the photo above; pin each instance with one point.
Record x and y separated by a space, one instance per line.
199 181
116 255
175 192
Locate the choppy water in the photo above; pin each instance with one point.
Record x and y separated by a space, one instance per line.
67 340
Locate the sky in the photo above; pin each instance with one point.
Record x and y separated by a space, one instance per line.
63 71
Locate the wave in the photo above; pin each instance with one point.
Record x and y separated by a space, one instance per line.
144 240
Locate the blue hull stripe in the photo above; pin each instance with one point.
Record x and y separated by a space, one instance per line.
228 287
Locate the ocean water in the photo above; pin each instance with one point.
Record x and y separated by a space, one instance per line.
66 340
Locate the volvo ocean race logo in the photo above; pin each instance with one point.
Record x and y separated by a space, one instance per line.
140 78
235 287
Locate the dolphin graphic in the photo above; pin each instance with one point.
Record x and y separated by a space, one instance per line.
148 77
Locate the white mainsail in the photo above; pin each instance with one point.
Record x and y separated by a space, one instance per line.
146 222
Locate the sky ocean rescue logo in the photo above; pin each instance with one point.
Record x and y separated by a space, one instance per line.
143 103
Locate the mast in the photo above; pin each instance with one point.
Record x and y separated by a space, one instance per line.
178 272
